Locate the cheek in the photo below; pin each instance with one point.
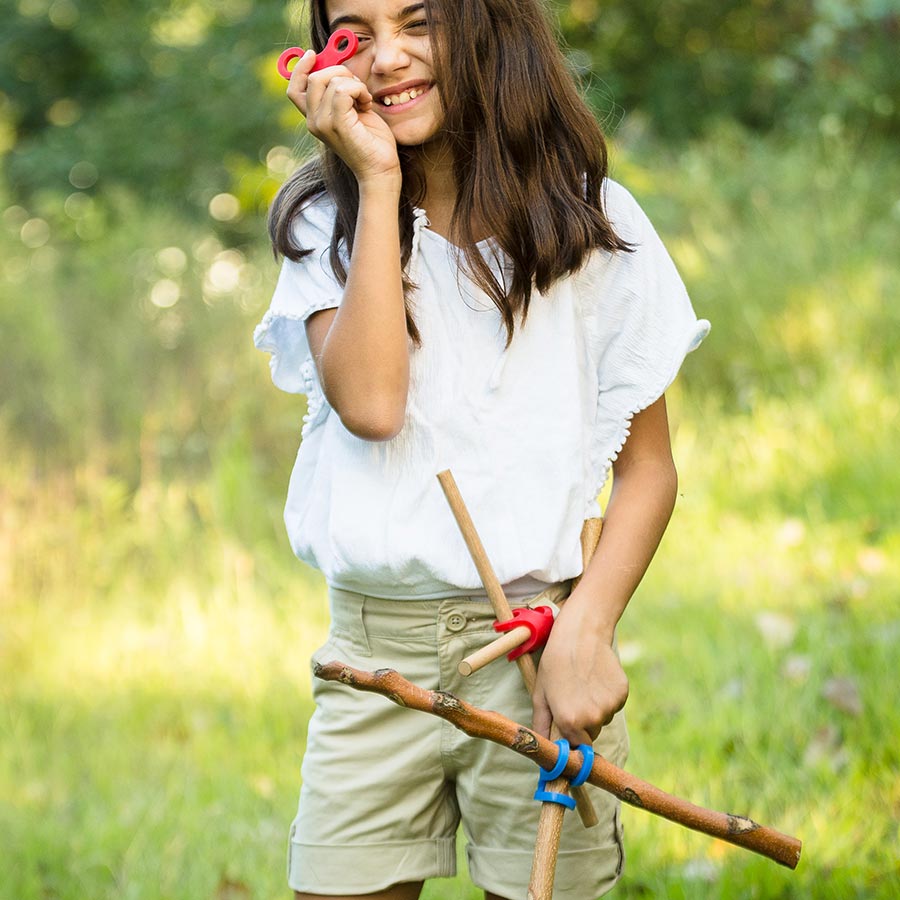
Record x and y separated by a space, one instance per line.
359 65
424 53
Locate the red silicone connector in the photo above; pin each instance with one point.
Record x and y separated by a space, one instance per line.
340 47
538 620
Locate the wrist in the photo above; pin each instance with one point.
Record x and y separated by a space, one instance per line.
384 185
593 617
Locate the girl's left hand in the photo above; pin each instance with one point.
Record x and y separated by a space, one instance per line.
580 682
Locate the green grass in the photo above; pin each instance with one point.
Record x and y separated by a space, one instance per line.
155 631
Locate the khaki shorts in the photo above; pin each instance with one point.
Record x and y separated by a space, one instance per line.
385 788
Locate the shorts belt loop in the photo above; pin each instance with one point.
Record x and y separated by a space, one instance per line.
360 636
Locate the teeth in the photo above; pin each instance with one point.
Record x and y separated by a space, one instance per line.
405 97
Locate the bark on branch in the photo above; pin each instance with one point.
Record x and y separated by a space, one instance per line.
492 726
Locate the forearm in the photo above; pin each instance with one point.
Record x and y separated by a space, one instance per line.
639 509
581 683
364 358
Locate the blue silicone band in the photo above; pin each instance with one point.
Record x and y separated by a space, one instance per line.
552 797
587 752
561 762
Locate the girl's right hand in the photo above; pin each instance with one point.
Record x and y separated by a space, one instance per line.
340 112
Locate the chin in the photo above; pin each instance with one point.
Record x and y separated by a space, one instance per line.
413 140
414 134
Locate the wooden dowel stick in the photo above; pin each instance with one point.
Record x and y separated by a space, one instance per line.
492 586
504 644
590 537
549 835
482 723
500 604
550 824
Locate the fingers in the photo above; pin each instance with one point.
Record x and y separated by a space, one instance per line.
343 93
575 730
574 733
309 90
333 108
583 724
296 90
577 727
577 719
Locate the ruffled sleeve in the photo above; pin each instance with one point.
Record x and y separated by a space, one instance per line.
303 288
640 325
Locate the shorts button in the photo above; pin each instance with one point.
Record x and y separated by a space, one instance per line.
456 621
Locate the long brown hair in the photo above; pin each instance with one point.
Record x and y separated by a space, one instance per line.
529 159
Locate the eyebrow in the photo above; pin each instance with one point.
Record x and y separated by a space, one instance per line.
359 20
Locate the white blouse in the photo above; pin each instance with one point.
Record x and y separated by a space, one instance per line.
529 432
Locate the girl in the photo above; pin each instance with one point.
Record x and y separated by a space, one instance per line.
463 288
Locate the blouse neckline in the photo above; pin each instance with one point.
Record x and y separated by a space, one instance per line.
421 219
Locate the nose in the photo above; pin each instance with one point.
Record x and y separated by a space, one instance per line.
390 55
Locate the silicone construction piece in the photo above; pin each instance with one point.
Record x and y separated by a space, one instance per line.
539 620
340 47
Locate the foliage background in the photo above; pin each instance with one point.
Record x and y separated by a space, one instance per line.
155 629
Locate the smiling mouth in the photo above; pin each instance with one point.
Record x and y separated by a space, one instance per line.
404 97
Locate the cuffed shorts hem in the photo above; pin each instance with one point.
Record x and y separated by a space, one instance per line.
580 874
366 868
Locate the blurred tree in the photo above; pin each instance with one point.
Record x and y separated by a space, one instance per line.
763 63
155 95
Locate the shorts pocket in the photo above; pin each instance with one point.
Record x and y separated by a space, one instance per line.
338 647
325 653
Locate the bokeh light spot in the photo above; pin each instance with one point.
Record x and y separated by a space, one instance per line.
165 293
63 14
64 112
78 205
172 260
35 233
83 175
225 207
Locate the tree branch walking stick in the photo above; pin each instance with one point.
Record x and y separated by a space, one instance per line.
480 723
549 833
502 609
